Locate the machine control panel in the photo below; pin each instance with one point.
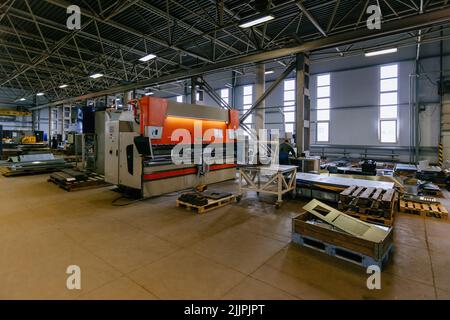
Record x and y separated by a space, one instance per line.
154 132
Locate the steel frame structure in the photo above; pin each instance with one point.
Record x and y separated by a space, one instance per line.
38 53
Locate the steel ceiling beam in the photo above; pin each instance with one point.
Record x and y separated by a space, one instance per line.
389 28
93 16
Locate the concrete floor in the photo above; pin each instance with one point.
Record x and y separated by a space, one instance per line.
153 250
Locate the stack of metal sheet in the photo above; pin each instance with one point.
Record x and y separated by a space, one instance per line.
32 164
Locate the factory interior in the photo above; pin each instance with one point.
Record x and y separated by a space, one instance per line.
224 150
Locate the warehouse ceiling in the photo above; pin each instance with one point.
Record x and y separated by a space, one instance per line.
38 53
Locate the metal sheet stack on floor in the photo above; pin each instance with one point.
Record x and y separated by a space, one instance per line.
32 164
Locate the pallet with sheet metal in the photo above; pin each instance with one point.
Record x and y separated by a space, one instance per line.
342 239
211 205
372 218
8 172
433 210
369 203
93 181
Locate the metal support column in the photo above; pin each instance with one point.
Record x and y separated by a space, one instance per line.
49 134
303 103
233 89
260 88
193 90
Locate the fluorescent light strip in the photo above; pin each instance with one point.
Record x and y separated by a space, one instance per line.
63 86
40 94
269 72
149 93
147 57
380 52
96 75
257 21
22 99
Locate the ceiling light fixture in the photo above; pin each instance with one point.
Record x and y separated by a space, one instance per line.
22 99
147 57
269 72
40 94
96 75
63 86
256 21
380 52
149 93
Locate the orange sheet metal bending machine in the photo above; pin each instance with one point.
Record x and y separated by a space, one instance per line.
138 146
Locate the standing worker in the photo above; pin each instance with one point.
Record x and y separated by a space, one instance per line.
285 151
54 143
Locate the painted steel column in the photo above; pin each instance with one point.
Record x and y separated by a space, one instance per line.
49 134
260 88
303 104
193 90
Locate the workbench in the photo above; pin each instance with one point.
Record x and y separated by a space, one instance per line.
328 188
277 180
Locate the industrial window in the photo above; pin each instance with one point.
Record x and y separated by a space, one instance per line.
323 107
247 102
388 103
225 95
289 105
179 98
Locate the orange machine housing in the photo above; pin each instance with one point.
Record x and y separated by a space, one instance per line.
153 112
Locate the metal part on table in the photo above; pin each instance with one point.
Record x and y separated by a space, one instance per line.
307 178
277 180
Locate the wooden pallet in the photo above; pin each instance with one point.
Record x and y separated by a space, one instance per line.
212 204
341 252
370 202
435 210
371 218
94 181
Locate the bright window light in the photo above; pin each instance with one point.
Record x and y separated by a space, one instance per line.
388 130
63 86
289 116
389 98
380 52
323 92
96 75
323 129
323 115
289 127
256 21
179 98
289 95
388 103
323 80
387 72
289 85
388 112
323 103
388 85
147 57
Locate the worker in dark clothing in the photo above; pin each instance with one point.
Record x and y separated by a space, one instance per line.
54 144
286 150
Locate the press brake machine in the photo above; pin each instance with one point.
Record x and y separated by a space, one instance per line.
139 145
